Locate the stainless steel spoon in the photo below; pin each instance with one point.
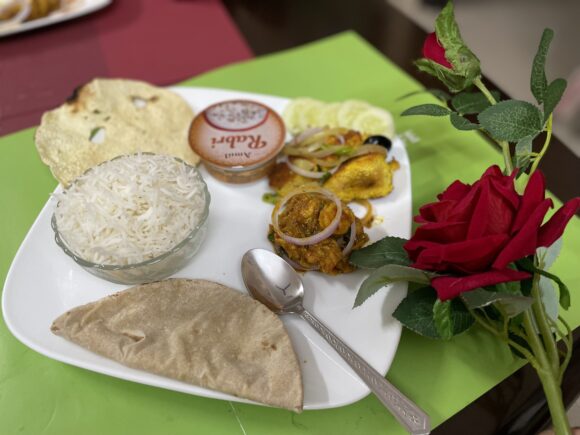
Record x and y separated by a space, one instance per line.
274 282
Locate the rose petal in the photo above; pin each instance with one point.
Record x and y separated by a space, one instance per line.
435 211
554 228
463 210
448 287
525 241
456 191
434 51
494 213
481 212
493 171
442 232
469 256
533 196
504 186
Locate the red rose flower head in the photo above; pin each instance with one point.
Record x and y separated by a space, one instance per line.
434 51
472 233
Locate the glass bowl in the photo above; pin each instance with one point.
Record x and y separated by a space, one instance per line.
154 269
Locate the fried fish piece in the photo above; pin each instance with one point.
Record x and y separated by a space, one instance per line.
41 8
363 177
284 180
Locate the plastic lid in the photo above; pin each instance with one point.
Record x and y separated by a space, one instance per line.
237 134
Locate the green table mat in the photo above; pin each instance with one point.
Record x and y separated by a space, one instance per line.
39 395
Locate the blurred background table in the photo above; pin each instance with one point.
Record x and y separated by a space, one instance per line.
167 42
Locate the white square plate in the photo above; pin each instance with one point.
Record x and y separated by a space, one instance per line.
43 283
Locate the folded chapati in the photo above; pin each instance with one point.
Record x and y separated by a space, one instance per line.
194 331
107 118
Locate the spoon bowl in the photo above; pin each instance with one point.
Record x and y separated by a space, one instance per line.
272 281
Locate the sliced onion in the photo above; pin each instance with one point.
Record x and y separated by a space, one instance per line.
306 134
304 172
331 164
369 149
350 243
368 217
340 138
321 135
330 150
317 238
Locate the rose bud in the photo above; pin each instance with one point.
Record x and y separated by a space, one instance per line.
474 232
434 51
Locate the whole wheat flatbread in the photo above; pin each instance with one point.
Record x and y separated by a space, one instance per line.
134 116
195 331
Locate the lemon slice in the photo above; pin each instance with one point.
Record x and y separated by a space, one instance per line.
328 116
301 113
349 110
375 121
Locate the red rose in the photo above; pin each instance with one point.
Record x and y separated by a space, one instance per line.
432 50
475 232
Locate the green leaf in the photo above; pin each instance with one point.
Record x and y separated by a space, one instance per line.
563 288
455 82
523 153
549 255
538 82
442 319
387 275
467 103
437 93
388 250
427 109
465 63
552 96
511 120
460 123
415 312
511 303
528 265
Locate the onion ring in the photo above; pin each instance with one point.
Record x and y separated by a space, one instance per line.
306 134
317 238
369 149
368 217
350 243
304 172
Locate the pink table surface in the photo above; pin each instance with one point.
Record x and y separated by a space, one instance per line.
160 41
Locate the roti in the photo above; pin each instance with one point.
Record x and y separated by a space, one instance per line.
107 118
195 331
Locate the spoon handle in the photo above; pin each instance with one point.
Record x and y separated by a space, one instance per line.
406 412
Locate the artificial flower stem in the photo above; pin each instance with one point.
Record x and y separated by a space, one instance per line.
549 381
487 325
568 340
544 327
505 146
544 147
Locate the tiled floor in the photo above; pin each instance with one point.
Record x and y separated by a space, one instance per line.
505 35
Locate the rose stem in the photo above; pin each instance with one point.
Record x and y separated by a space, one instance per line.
505 146
542 321
548 379
545 146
